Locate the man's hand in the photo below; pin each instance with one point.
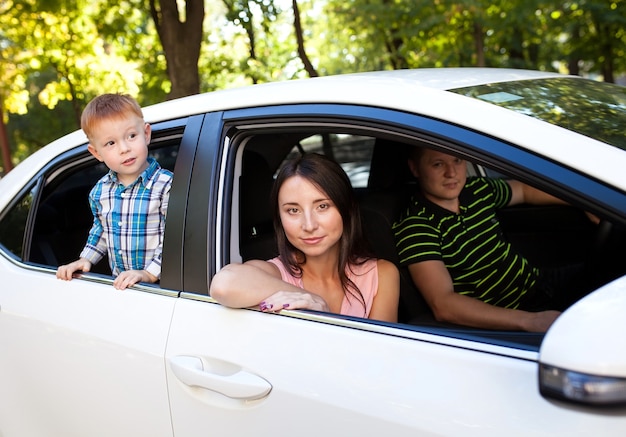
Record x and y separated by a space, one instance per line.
540 321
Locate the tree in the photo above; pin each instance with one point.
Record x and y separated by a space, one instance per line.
297 25
181 33
53 52
592 36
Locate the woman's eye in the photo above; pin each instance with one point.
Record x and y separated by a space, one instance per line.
292 211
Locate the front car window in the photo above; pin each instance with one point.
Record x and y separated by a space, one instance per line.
594 109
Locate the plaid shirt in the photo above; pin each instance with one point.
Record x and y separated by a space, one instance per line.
129 222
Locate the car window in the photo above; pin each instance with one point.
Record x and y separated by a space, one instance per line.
352 152
13 224
63 217
378 169
379 173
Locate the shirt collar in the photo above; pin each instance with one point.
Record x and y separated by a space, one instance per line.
145 177
419 199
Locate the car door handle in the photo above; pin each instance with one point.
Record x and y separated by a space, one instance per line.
219 377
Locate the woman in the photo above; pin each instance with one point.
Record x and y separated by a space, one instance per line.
323 264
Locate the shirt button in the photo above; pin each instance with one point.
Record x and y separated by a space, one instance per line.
120 223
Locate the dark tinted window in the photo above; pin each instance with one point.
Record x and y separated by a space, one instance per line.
13 224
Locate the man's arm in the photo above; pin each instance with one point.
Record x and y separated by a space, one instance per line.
522 193
434 282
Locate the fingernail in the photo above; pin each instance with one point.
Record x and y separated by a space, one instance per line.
285 305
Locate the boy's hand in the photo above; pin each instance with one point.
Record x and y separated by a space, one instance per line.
66 272
131 277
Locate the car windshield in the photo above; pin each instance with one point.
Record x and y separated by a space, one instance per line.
594 109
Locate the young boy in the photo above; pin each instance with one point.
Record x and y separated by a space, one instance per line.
129 203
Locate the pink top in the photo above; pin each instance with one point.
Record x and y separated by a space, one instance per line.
364 276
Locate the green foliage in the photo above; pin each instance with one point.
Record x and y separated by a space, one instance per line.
55 55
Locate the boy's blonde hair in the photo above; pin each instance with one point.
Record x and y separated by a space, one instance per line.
108 106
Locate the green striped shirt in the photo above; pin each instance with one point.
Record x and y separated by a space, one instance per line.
481 262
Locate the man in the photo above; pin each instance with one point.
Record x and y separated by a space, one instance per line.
451 241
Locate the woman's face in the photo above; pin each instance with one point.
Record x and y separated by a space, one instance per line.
311 221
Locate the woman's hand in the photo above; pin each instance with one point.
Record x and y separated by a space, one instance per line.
293 300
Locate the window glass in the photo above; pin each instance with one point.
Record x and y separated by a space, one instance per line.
64 218
352 152
13 225
565 102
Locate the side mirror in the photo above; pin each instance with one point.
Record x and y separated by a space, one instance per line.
583 355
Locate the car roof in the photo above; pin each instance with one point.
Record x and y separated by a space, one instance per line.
418 91
344 88
424 92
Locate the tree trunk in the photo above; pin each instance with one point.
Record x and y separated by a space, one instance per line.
394 43
181 40
606 54
479 44
4 142
308 66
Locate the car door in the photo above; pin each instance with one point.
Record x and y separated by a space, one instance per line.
78 358
240 371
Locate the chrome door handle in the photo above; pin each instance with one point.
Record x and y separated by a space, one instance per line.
220 377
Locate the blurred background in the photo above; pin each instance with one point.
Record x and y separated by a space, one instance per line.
56 55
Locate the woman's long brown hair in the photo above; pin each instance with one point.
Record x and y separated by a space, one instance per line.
329 177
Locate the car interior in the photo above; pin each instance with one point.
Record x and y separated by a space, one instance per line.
548 236
376 165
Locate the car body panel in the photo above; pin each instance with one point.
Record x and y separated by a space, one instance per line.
81 358
327 380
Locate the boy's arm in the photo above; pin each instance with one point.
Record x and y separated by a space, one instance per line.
131 277
95 248
66 272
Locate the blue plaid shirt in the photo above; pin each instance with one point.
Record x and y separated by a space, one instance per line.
129 222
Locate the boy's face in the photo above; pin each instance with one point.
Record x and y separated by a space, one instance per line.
122 144
441 177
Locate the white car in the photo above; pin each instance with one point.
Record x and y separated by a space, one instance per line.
80 358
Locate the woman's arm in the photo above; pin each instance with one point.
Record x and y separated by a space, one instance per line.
385 305
258 283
